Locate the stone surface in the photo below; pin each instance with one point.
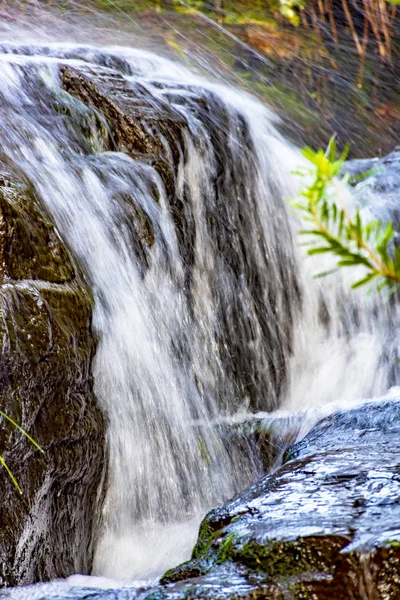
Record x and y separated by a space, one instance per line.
379 191
29 245
325 521
136 125
254 333
46 312
46 387
325 524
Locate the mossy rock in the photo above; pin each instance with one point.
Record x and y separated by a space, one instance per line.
324 525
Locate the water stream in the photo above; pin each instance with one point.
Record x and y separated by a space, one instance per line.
230 324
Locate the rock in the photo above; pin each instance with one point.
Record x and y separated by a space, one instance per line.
46 387
136 125
46 308
252 307
29 245
379 191
260 438
327 522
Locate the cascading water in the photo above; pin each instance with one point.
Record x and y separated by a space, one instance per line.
160 371
202 307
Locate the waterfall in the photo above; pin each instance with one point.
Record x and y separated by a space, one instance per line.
203 306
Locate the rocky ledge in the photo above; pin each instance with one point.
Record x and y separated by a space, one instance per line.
326 524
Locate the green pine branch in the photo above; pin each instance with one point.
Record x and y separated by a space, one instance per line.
333 230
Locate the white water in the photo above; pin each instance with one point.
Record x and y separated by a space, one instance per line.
167 464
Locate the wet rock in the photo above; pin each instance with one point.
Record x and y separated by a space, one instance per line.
377 185
29 246
260 438
325 524
136 125
252 307
46 387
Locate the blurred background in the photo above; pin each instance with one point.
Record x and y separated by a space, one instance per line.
324 66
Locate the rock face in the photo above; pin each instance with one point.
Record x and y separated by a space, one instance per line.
46 387
149 127
327 520
324 525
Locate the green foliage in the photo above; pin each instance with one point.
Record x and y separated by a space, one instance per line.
334 230
3 462
225 548
289 9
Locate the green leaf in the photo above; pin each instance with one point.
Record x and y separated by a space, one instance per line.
10 474
347 262
358 227
352 242
325 273
309 154
361 176
319 250
313 232
334 212
331 150
344 154
21 430
364 281
341 222
396 262
384 284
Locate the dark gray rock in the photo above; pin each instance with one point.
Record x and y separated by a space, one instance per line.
29 245
46 387
379 191
142 123
325 524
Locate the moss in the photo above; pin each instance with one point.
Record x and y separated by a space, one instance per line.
225 549
288 558
393 543
207 535
184 571
205 554
287 456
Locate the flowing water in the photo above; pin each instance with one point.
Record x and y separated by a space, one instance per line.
214 315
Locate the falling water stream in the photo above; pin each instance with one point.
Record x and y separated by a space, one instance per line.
188 335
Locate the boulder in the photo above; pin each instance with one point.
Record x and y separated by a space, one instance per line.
324 525
376 184
46 387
